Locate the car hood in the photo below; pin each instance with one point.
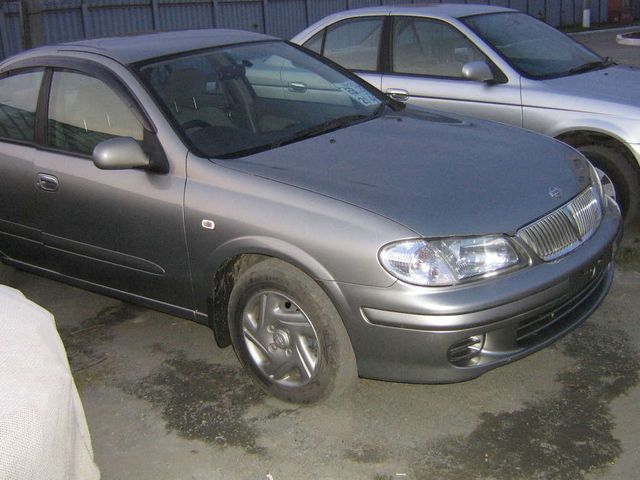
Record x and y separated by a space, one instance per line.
611 91
435 174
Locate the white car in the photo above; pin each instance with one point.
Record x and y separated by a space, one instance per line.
499 64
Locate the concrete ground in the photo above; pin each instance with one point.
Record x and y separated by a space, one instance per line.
164 403
604 42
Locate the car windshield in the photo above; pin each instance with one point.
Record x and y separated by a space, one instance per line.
236 100
533 47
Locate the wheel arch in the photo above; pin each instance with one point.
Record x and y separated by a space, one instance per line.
234 258
580 137
623 171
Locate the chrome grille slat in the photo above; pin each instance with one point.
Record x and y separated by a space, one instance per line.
586 215
562 230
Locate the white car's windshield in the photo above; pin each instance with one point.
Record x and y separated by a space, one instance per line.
232 101
534 48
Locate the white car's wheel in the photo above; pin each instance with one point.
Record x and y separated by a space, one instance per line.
621 177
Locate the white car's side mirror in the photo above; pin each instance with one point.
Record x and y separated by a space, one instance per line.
478 71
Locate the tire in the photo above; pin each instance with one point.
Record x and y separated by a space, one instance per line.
624 176
7 274
289 336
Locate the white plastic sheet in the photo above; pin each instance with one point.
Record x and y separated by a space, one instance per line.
43 430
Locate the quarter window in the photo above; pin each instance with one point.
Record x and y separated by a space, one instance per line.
355 44
315 43
18 100
428 47
84 111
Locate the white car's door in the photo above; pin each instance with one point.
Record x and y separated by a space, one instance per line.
354 44
427 57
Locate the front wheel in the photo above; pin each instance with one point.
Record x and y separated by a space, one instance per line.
289 336
624 179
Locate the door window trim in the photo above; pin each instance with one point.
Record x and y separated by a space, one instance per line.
98 71
44 116
381 41
19 71
393 19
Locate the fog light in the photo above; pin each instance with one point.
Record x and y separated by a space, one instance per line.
461 352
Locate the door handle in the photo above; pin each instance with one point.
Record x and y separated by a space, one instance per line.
297 87
399 94
48 183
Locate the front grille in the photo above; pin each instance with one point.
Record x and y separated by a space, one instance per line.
562 230
536 329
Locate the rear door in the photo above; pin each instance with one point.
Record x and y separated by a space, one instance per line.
19 233
118 228
426 60
354 44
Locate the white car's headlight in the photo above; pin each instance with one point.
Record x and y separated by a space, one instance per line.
449 261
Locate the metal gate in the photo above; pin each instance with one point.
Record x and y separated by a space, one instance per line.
28 23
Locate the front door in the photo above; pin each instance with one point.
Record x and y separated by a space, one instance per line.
117 228
426 61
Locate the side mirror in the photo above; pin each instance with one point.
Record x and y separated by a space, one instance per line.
478 71
119 153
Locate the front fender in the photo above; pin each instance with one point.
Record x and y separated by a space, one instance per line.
624 130
328 239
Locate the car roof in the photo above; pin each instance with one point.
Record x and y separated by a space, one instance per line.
136 48
437 10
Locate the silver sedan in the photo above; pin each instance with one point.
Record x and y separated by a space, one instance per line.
499 64
324 230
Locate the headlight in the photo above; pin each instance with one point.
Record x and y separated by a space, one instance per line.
448 261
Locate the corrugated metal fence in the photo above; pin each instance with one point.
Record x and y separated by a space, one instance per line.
25 23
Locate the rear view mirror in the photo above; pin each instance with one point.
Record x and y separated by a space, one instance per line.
119 153
231 72
478 71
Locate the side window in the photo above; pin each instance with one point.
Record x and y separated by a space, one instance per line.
429 47
18 100
83 111
315 43
355 44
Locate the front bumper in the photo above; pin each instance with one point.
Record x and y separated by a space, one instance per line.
410 334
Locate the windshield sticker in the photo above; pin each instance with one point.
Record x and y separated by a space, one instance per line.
358 93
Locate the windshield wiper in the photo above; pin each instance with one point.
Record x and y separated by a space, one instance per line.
323 127
589 66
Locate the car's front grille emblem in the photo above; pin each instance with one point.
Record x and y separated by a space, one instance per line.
555 192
